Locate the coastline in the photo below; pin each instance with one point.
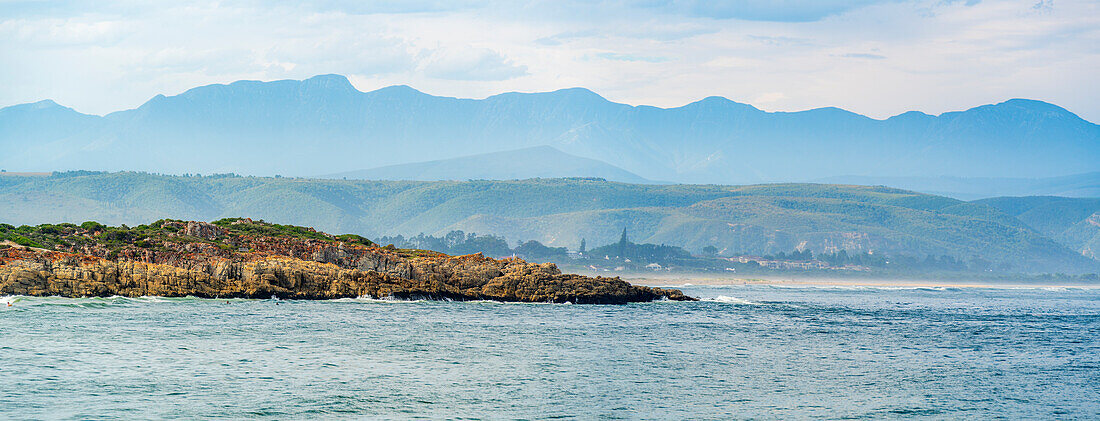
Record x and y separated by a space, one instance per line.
792 281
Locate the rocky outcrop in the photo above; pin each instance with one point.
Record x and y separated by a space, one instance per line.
294 268
204 230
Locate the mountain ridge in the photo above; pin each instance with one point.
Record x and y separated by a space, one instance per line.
964 188
754 219
325 125
344 84
1074 222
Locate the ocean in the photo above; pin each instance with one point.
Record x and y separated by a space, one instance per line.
752 351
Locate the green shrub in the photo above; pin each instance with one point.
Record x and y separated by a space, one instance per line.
93 226
26 242
353 238
266 229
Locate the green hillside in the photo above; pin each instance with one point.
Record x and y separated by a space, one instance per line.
1074 222
759 219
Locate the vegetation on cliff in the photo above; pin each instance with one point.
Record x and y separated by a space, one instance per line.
239 257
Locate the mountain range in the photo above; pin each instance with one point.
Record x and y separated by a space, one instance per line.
324 125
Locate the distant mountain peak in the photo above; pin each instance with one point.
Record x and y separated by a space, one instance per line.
913 114
397 91
47 106
577 90
45 103
321 84
833 111
715 98
1021 104
1029 103
330 82
1036 105
721 101
580 93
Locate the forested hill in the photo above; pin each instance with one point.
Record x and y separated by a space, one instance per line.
757 219
1074 222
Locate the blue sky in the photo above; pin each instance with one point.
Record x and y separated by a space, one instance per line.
878 58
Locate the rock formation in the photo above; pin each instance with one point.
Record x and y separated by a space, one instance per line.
174 259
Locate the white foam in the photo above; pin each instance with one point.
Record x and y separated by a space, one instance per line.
732 300
369 299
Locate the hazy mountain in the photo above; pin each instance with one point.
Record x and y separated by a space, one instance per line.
534 162
1075 222
324 125
971 188
560 212
26 130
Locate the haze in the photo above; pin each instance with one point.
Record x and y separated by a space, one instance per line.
877 58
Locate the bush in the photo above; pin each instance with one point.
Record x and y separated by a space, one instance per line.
26 242
116 236
93 226
353 238
265 229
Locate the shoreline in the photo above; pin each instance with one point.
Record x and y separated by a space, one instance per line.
687 281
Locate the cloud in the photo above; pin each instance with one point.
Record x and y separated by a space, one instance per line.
877 57
769 98
864 55
631 57
780 40
762 10
559 39
477 64
56 32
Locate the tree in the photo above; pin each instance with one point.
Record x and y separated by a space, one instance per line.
536 250
710 250
623 243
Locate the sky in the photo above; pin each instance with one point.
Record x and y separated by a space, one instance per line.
875 57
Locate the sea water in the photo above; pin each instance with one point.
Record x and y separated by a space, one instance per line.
742 352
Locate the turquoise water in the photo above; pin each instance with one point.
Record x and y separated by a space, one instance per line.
745 352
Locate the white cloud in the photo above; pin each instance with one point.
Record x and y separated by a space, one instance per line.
465 63
46 33
874 57
769 98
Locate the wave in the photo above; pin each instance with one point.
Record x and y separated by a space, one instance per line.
887 287
97 302
8 300
392 300
731 300
369 299
117 301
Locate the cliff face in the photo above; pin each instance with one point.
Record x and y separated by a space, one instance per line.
209 261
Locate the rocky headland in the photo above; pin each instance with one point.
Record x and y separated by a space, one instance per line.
242 258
